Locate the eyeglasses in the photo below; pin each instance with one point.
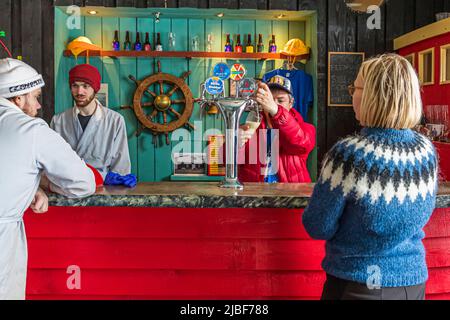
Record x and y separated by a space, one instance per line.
352 88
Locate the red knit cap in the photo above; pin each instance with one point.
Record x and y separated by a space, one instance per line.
86 73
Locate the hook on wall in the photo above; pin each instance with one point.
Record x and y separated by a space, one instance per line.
157 15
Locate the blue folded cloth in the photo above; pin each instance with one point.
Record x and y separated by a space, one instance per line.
115 179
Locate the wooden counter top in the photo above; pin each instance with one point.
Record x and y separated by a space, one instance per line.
207 195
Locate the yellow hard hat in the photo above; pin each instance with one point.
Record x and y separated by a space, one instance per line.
81 44
295 47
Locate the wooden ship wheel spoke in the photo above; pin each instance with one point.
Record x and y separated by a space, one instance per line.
163 119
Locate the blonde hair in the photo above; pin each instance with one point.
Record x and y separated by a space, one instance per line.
391 96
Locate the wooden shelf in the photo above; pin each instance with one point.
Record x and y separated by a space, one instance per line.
187 55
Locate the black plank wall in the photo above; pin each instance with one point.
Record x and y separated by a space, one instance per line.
29 26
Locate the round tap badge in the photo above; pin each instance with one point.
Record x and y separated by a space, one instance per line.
238 72
222 71
247 88
214 86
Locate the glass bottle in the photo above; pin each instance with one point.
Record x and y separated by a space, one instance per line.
272 45
228 47
249 48
260 47
138 44
127 44
158 46
116 42
147 45
238 47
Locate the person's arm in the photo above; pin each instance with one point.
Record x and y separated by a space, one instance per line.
121 163
321 216
294 137
66 172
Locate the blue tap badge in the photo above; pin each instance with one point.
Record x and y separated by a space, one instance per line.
214 86
222 71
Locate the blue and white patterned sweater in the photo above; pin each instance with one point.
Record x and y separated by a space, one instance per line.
376 192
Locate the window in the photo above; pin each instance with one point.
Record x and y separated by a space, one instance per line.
426 67
412 59
445 64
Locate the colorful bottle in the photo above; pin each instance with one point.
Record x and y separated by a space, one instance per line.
272 45
127 44
158 46
116 42
238 47
147 45
249 48
228 47
260 47
138 44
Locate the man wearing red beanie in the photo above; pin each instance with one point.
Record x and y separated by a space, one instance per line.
96 133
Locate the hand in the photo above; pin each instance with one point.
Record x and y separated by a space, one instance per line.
40 202
265 99
245 134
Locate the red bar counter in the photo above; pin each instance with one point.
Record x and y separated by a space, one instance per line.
194 241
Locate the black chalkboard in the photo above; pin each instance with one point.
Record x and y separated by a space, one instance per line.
343 69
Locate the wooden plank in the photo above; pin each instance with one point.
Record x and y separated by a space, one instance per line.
163 152
397 22
282 5
176 282
438 252
281 31
31 38
341 28
111 67
156 254
193 3
157 297
424 13
341 38
64 96
229 4
265 29
185 54
125 3
252 4
438 281
161 3
127 89
16 29
146 149
372 42
5 25
439 225
93 30
192 254
197 27
211 122
153 223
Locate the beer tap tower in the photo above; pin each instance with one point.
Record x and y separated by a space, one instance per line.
232 109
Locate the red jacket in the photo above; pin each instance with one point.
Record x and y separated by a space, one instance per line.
296 140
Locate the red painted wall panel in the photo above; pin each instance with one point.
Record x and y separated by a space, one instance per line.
156 253
437 93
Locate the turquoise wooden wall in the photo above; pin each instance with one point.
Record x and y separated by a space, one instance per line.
152 163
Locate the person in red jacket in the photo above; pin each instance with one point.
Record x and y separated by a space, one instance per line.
278 155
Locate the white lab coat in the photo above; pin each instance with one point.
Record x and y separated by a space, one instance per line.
103 144
28 147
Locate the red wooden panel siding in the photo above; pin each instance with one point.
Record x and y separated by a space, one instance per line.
156 253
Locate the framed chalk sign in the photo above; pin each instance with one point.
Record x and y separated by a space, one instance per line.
343 69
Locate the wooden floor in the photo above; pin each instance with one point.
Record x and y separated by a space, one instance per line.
146 253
